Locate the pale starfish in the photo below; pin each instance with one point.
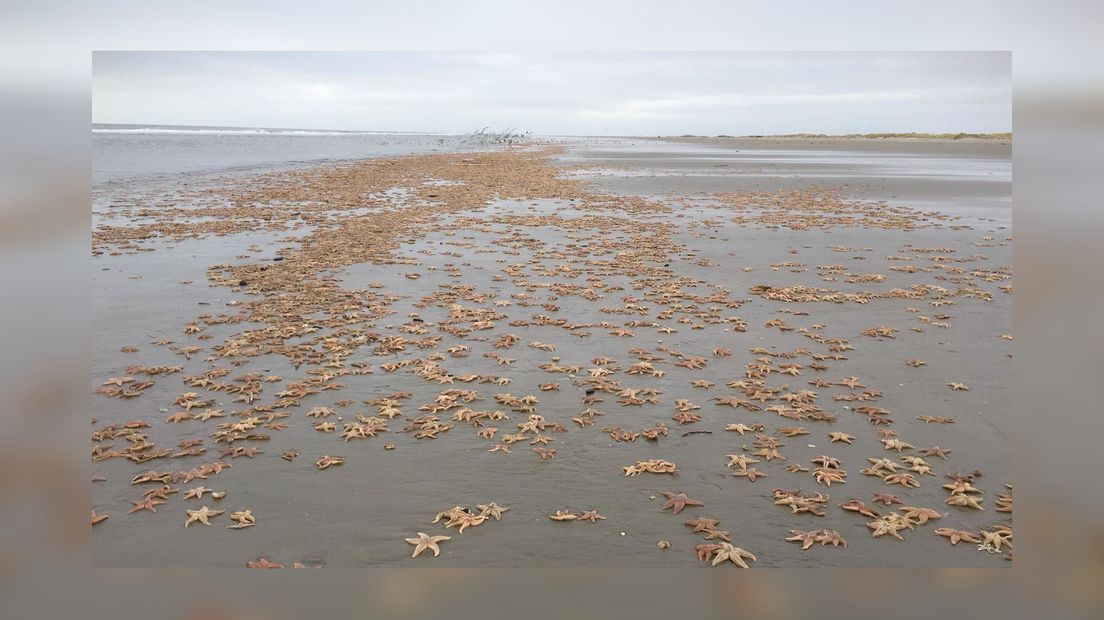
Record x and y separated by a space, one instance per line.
883 526
242 519
964 500
425 541
463 519
197 492
201 516
831 537
827 476
993 540
844 437
328 461
740 460
492 510
98 518
807 539
563 516
920 516
750 474
728 553
743 428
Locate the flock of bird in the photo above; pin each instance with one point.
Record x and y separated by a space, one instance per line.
295 308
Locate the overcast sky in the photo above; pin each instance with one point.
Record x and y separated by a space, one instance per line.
650 93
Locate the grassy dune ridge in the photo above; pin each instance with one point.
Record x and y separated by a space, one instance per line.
910 135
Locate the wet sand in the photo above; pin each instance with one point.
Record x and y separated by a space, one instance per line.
358 514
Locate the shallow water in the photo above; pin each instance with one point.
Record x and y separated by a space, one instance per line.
358 514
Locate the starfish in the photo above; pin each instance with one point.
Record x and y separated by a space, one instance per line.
706 550
936 451
148 503
727 553
861 508
736 401
686 417
702 524
702 383
289 455
769 454
263 563
243 519
463 519
677 501
500 448
98 518
795 468
740 460
879 464
826 461
591 515
208 414
718 535
793 431
880 527
886 498
328 461
844 437
827 476
201 516
896 444
958 535
545 453
425 541
961 486
563 516
178 417
492 510
743 428
993 540
196 493
964 500
958 386
831 537
807 539
750 474
920 516
903 479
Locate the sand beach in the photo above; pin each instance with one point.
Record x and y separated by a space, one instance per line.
534 350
